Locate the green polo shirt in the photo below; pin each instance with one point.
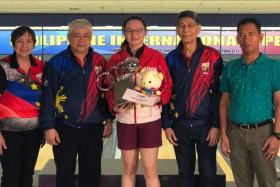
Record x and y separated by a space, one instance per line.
251 88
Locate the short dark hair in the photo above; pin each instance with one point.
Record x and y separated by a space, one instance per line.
18 32
133 18
188 14
244 21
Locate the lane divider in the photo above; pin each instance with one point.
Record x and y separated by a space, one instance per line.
225 167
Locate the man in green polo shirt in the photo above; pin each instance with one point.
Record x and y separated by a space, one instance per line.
250 99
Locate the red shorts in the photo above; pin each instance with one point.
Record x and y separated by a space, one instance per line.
145 135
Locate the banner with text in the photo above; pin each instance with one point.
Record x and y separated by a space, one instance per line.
50 42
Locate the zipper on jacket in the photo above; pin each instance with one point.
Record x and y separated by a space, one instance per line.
85 96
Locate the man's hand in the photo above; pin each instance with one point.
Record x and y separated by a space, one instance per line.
171 137
213 136
271 148
2 144
107 128
52 137
225 145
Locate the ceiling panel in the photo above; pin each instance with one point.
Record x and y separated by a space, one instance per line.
135 6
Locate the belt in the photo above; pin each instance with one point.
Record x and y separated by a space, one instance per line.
252 125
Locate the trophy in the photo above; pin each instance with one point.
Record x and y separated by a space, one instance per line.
119 77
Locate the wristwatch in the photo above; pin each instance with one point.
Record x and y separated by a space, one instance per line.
277 135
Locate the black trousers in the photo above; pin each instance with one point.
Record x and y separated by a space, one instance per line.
191 140
19 159
87 144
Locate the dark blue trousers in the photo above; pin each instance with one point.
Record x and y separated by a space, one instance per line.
191 140
84 143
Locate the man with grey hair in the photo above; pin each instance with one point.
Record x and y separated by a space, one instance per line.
74 115
191 119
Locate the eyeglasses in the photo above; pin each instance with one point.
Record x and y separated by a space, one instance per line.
250 34
136 31
183 27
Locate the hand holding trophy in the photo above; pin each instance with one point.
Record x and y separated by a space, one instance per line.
119 77
122 71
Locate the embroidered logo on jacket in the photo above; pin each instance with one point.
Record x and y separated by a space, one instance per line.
60 97
98 69
39 77
205 67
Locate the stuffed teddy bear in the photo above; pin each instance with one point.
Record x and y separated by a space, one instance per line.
150 82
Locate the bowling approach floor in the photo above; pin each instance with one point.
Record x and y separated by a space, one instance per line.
45 164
